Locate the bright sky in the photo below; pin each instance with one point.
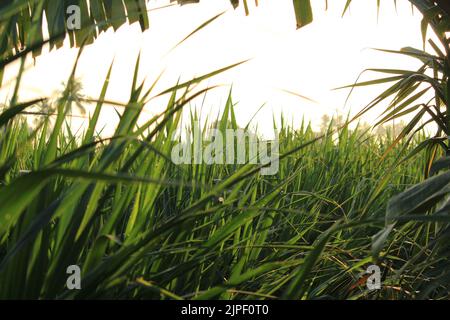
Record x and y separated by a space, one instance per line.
311 61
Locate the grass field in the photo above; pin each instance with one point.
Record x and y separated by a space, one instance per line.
119 215
141 227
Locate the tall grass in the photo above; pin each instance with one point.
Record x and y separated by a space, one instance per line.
141 227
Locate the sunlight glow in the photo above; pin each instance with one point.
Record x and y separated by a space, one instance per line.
312 61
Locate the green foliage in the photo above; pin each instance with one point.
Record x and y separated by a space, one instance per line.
141 227
428 200
22 21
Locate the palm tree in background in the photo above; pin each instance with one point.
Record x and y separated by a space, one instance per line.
22 30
